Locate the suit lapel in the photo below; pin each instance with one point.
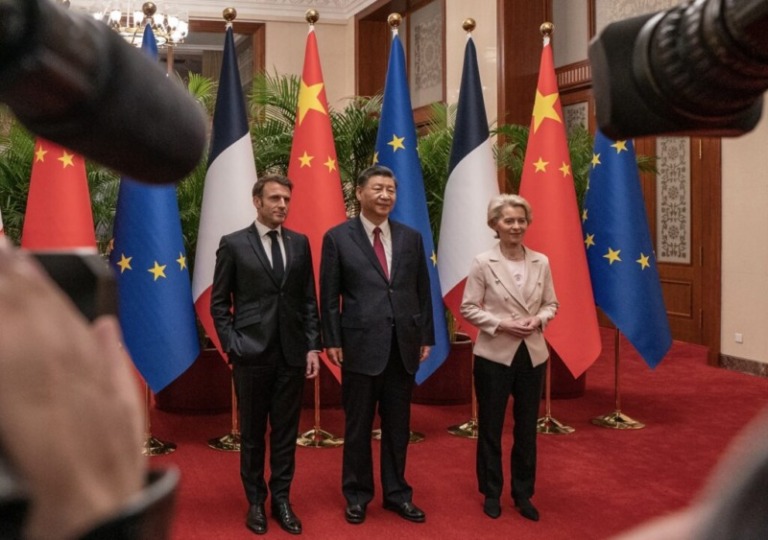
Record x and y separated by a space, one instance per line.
532 271
289 245
398 239
360 238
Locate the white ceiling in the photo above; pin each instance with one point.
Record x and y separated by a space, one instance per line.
337 11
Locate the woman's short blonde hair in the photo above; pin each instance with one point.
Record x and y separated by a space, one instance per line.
499 202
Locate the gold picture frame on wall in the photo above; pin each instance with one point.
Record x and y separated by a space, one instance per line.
426 55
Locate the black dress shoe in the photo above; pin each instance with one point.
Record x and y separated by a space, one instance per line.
407 510
284 515
256 519
527 510
355 513
492 507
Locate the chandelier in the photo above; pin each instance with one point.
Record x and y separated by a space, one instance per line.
129 19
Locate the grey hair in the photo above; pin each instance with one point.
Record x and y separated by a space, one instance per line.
499 202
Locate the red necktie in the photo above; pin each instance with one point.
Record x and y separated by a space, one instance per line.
378 248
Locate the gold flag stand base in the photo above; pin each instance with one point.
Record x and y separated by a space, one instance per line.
617 420
468 430
226 443
318 438
551 426
156 447
413 438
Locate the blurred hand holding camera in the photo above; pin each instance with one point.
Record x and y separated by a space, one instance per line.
65 385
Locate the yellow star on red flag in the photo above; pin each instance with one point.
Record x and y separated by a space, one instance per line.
544 107
309 99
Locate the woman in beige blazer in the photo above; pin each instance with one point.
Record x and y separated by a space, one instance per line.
509 297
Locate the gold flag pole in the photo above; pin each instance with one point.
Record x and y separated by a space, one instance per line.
153 446
468 429
546 424
617 419
318 437
231 441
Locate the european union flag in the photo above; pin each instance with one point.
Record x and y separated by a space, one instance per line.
620 254
155 297
396 149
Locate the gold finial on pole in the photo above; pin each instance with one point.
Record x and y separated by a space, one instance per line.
469 24
149 9
229 14
394 20
312 16
546 29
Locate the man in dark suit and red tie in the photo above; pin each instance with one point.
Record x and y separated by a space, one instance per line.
264 305
377 325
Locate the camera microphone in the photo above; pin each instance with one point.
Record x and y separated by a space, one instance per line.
72 80
701 67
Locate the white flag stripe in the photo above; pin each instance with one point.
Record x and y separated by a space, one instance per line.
463 229
227 206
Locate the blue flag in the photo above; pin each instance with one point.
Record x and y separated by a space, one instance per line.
155 297
622 264
396 149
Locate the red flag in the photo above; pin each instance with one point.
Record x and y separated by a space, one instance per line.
317 202
58 214
547 183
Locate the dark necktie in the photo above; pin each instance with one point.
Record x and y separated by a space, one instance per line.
378 248
277 257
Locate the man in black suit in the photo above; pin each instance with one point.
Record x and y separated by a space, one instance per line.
377 325
264 306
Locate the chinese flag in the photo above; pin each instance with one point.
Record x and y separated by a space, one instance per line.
58 214
547 183
317 202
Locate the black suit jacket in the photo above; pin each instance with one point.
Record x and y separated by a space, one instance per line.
250 308
360 308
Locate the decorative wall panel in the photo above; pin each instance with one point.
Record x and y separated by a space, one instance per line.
673 200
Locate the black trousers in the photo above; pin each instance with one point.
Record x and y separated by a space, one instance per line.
391 390
268 393
494 383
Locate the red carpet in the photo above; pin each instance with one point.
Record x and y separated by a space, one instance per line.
591 484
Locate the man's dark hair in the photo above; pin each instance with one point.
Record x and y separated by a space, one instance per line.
374 170
258 187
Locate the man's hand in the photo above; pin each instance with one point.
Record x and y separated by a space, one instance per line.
71 420
424 352
336 355
313 365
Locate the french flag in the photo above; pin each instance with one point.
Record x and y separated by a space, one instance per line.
471 184
227 203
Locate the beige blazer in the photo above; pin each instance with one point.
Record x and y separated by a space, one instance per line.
491 296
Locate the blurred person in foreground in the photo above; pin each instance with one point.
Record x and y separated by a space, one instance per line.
509 297
734 503
71 420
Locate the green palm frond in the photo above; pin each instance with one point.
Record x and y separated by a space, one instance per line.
17 146
272 108
509 151
354 133
435 153
103 185
203 90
